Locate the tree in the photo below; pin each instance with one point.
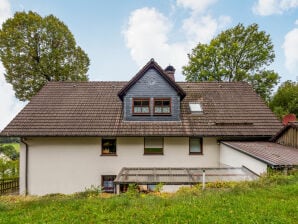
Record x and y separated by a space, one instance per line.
35 50
237 54
8 168
9 151
285 100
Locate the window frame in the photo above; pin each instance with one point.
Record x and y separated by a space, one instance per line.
102 147
154 153
162 99
201 146
140 113
102 183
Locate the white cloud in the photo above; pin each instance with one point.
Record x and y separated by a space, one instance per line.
290 47
202 28
5 11
147 37
148 31
197 6
269 7
9 105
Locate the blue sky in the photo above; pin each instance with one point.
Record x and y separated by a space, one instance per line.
121 36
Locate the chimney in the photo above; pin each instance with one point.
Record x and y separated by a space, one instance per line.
170 71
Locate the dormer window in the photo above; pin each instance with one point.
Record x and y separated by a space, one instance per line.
195 108
141 106
162 106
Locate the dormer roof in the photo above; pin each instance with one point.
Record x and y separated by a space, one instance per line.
151 65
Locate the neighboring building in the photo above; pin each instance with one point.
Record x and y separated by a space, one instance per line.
288 135
148 130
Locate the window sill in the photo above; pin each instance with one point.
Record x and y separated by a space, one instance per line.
153 154
162 114
108 155
196 154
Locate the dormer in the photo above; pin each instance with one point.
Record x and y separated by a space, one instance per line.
152 95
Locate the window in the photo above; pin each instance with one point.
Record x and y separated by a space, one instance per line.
162 106
141 106
153 145
195 146
195 108
107 182
108 146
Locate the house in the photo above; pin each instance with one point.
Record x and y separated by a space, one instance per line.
145 131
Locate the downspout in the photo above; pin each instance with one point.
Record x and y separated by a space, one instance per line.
26 164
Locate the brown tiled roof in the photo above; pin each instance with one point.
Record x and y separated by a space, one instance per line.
94 109
271 153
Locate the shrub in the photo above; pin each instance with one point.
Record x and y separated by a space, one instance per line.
90 191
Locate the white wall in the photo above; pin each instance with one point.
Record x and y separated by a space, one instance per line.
68 165
234 158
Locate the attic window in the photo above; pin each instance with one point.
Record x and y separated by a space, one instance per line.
195 108
141 106
162 106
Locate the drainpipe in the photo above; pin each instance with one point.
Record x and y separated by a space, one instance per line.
26 164
204 180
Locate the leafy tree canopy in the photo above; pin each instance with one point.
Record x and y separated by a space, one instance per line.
36 49
285 100
237 54
9 151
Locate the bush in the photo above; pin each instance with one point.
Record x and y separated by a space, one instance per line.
90 191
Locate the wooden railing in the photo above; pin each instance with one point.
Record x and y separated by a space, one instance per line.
9 185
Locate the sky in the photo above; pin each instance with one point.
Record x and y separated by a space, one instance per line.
122 36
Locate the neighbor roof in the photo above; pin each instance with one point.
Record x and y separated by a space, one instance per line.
94 109
284 129
271 153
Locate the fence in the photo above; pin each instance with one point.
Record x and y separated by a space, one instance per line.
9 185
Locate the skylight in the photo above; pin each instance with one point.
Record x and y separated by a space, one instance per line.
195 108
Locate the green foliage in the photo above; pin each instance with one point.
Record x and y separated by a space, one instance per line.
9 168
257 203
237 54
132 190
91 191
158 188
285 100
35 50
9 140
9 151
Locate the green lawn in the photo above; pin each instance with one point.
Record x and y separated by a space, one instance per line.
266 201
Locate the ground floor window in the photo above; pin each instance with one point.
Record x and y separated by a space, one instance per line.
195 145
153 145
107 182
108 146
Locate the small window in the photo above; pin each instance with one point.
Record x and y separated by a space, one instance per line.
107 182
195 108
153 145
195 146
108 146
141 106
162 106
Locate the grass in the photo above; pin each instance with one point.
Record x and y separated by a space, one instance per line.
269 200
